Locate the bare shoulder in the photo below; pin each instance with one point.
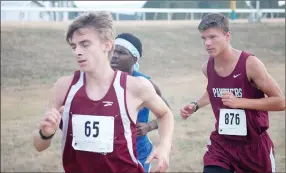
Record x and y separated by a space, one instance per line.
139 85
254 66
59 91
63 82
204 68
61 87
253 60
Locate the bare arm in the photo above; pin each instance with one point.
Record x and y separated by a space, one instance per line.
257 72
155 104
154 124
158 91
57 95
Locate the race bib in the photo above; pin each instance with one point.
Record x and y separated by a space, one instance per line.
232 122
93 133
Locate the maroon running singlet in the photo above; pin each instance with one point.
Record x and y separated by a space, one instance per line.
98 136
240 141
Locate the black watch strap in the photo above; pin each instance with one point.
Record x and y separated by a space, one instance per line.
46 137
197 106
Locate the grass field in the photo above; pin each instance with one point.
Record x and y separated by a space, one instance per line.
33 57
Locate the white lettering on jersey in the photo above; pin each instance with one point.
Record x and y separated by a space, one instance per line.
237 92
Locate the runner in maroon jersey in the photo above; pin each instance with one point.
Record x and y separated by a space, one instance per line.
237 82
97 108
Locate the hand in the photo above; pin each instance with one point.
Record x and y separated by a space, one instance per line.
142 129
187 110
162 154
51 121
228 99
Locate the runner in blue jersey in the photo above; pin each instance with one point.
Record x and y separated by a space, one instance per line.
128 51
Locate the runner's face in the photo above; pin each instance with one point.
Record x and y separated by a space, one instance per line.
122 59
215 40
89 49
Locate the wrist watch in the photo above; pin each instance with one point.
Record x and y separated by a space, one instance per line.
46 137
196 106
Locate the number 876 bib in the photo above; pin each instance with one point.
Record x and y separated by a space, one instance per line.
232 122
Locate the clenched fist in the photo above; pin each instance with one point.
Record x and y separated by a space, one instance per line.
51 121
229 100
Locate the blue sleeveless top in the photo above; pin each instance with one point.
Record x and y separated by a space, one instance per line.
143 143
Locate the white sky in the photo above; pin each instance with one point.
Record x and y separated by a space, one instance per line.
110 4
118 4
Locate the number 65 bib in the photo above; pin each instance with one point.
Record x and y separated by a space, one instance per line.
93 133
232 122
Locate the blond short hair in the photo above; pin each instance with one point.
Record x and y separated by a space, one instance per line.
101 21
